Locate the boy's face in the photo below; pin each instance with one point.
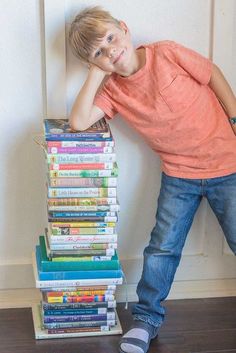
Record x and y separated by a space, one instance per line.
115 51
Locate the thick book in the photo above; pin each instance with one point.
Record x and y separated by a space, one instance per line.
47 265
81 192
81 158
60 130
82 182
73 275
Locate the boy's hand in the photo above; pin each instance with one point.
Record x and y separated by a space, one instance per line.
97 73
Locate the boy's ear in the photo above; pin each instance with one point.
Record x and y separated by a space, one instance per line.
124 26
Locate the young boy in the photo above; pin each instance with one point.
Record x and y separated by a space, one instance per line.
183 107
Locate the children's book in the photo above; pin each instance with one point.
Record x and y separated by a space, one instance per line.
59 130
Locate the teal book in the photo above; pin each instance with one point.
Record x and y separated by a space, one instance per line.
73 275
48 266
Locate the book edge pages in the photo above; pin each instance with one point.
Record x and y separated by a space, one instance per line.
41 334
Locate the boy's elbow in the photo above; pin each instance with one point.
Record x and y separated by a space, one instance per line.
77 125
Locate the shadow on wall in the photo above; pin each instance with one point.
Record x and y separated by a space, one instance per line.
25 205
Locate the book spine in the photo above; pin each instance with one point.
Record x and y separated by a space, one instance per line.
81 192
81 158
80 324
81 258
84 173
88 246
74 275
111 287
82 201
82 231
80 144
58 331
109 208
79 306
78 318
81 299
83 219
77 282
79 150
82 182
74 135
81 224
62 293
75 312
79 166
59 239
81 214
83 252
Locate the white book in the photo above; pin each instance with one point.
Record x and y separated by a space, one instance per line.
81 158
97 239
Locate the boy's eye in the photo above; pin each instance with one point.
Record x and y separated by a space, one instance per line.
109 38
98 52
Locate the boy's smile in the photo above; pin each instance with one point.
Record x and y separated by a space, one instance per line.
115 52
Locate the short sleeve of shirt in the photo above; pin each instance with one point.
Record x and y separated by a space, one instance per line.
103 100
198 66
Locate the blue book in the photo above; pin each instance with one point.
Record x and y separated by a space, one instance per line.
60 130
73 275
82 214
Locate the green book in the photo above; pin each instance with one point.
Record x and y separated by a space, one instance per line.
47 265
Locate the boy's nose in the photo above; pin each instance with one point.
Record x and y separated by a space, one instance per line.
111 52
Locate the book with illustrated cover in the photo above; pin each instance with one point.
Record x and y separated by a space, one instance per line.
60 130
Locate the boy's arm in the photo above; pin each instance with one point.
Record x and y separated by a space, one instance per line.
84 113
223 92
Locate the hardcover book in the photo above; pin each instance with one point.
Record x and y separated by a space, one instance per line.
59 129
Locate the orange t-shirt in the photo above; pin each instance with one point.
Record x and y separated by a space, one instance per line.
169 102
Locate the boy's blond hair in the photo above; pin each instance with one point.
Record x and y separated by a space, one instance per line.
87 29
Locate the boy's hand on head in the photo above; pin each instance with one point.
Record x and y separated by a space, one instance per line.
97 72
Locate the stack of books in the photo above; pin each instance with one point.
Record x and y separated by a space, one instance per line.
76 264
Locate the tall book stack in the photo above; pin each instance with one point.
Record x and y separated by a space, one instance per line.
76 265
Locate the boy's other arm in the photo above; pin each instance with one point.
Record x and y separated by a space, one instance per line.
223 92
84 113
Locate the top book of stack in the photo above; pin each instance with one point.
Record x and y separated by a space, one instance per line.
60 130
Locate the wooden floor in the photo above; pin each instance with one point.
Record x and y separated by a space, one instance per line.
191 326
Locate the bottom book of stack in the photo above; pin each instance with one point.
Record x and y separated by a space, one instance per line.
75 303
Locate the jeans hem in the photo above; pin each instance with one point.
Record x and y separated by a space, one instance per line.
148 321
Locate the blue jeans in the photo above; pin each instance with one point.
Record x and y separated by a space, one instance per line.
177 204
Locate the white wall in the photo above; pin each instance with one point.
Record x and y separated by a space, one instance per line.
23 208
